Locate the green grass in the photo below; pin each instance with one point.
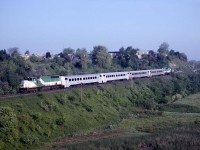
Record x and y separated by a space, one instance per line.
56 114
153 129
129 106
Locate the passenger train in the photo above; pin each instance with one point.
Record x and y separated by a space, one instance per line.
33 84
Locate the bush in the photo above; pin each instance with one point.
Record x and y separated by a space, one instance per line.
29 139
1 144
8 125
61 101
60 121
36 116
146 104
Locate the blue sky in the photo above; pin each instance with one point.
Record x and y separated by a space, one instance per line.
51 25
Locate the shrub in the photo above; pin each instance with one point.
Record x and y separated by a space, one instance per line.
60 121
1 144
36 116
72 98
61 101
147 104
8 125
29 139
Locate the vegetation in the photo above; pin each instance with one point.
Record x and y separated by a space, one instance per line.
140 106
141 113
146 129
14 68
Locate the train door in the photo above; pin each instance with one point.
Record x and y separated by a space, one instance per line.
65 81
102 78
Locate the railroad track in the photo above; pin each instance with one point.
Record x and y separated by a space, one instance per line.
83 86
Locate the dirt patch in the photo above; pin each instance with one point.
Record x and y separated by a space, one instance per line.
78 138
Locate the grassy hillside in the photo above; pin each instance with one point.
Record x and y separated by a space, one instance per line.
29 122
151 130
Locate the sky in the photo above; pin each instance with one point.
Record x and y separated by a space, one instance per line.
51 25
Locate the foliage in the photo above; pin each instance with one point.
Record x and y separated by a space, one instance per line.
29 139
8 125
14 68
100 57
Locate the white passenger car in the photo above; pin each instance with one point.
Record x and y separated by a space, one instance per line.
139 74
70 80
157 72
111 76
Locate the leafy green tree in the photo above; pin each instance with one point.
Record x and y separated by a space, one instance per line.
101 57
3 55
34 59
82 56
163 49
13 51
67 54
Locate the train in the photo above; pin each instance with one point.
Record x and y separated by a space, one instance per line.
34 84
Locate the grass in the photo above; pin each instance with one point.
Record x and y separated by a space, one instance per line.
44 117
153 129
56 114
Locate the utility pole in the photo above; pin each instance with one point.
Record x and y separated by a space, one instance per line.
81 92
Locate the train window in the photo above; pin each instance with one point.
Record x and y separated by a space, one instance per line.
100 75
65 78
77 79
54 76
70 79
80 78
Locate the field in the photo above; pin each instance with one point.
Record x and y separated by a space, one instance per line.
176 127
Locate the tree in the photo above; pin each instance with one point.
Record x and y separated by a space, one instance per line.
82 56
163 49
48 55
68 51
101 57
13 51
68 54
3 55
27 52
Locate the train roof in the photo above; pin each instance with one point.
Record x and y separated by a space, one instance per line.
115 72
83 75
50 78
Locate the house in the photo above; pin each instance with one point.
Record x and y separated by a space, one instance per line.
140 53
114 54
25 56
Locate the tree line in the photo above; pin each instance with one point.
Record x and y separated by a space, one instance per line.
14 68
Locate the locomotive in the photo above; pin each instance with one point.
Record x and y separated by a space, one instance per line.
33 84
